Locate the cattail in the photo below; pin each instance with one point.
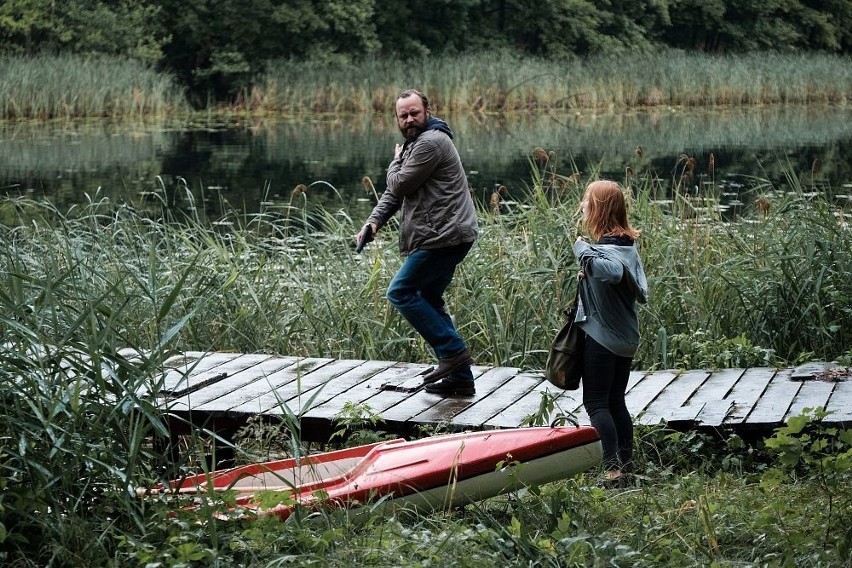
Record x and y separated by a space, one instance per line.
639 151
762 205
495 202
540 156
369 187
300 189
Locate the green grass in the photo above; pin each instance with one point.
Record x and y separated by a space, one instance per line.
79 287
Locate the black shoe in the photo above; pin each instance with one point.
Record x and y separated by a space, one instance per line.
448 365
450 388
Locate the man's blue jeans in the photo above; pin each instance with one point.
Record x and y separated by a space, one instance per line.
417 291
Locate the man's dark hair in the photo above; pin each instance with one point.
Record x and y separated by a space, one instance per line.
408 92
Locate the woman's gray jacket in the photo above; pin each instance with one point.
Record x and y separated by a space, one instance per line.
613 284
429 186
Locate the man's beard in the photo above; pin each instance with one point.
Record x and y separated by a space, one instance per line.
412 132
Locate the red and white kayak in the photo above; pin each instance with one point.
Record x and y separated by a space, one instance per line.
435 472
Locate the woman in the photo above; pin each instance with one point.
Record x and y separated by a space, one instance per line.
612 281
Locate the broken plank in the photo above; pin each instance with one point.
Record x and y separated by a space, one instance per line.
199 381
712 394
182 367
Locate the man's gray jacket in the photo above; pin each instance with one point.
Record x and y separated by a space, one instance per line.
428 184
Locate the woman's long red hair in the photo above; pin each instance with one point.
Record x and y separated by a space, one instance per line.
606 211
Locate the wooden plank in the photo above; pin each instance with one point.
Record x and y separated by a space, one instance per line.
181 368
362 391
710 400
235 382
385 399
672 397
322 382
686 413
742 396
515 385
219 373
646 390
407 408
246 400
364 372
295 391
813 393
232 385
526 405
635 378
570 403
815 370
443 410
775 400
840 403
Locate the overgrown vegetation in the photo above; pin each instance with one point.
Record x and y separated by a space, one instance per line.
507 82
94 299
72 86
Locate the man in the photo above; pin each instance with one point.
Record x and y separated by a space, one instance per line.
426 181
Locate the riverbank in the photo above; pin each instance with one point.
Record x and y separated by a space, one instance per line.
81 287
75 86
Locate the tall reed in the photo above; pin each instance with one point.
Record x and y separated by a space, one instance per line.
74 86
287 280
506 82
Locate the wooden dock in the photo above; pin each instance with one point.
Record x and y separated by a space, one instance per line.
221 391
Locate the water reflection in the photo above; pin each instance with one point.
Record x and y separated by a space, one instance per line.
246 163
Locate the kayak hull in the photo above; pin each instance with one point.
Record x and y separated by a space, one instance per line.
431 473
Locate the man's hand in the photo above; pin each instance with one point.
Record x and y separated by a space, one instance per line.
397 152
366 235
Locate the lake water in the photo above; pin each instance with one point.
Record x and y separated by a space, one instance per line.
247 164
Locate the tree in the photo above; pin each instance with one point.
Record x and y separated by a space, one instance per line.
220 48
24 24
122 27
750 25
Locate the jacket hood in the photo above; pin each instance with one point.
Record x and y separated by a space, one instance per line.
435 123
